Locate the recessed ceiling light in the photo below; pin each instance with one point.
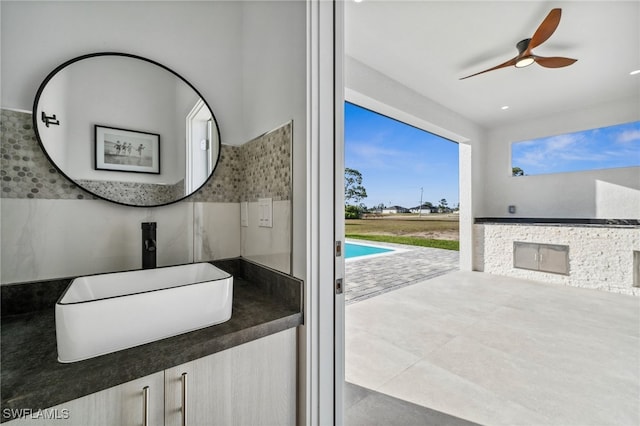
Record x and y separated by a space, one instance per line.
634 72
358 1
505 107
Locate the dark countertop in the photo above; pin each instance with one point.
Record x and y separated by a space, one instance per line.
543 221
32 377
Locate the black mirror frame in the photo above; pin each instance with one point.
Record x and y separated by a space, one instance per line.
49 120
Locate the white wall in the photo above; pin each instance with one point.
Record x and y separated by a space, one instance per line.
198 40
46 239
609 193
269 246
274 92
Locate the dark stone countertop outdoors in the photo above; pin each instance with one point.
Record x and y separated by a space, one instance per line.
264 302
609 223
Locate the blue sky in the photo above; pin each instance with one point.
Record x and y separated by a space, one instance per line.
603 148
396 160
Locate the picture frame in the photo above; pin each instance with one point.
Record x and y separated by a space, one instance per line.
124 150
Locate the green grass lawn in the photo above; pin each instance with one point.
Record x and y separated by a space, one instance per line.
436 230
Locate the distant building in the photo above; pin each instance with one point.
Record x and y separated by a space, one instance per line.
395 210
426 209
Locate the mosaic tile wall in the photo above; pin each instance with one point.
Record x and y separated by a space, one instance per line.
259 168
25 170
225 186
134 192
267 165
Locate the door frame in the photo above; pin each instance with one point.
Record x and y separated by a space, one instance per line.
324 310
339 223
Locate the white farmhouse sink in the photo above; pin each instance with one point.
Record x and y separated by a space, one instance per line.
104 313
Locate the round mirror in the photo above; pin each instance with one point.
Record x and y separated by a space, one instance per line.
126 129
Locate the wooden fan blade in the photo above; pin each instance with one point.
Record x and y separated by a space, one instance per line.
546 28
554 62
509 63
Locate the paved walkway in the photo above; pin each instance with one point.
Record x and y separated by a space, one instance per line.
370 276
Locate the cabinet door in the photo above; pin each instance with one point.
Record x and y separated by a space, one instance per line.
251 384
554 258
117 406
525 255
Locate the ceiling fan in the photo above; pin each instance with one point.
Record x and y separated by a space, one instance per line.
526 57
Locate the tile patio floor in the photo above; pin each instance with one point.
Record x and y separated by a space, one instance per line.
498 351
371 276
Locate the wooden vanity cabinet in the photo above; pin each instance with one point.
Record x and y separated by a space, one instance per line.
119 405
250 384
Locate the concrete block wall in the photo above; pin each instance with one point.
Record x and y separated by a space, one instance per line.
600 257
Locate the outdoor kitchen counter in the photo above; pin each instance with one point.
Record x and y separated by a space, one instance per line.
608 223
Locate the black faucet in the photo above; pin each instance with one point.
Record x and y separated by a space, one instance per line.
148 245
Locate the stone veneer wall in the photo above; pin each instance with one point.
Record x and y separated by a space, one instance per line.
259 168
600 257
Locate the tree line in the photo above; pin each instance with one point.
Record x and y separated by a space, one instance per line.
355 192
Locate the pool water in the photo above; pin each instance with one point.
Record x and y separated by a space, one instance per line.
357 250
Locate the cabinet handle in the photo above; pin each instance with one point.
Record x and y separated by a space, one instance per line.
145 406
184 399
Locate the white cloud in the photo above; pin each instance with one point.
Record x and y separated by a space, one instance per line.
562 142
542 153
370 155
631 135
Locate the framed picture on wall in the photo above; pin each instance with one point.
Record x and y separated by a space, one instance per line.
126 150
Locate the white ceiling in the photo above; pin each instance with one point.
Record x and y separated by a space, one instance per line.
428 45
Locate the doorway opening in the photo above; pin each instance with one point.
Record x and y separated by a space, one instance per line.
402 200
201 147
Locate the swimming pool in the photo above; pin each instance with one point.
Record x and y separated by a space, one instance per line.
352 250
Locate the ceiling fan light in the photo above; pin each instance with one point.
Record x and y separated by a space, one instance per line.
525 62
